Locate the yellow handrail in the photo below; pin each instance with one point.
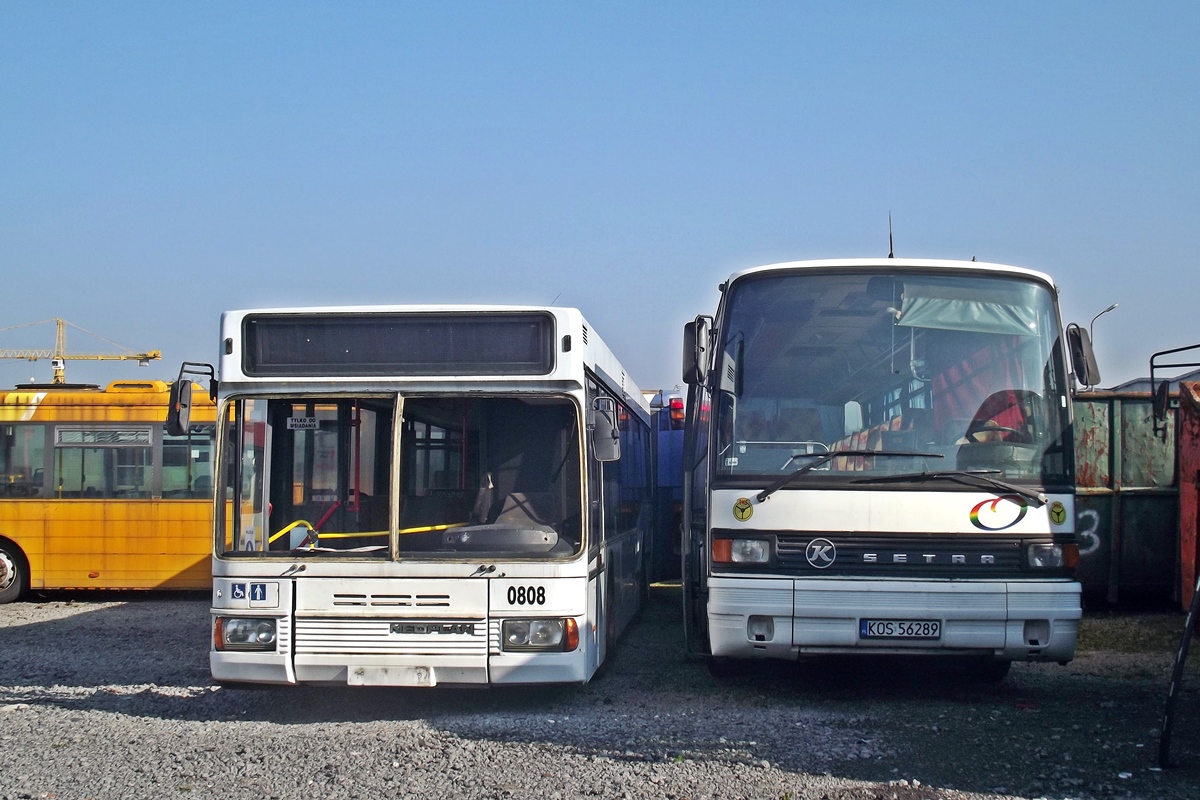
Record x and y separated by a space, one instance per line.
356 534
295 524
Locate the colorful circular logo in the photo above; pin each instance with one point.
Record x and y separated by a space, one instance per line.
1058 513
990 515
742 510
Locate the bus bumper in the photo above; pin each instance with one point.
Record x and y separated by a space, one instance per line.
539 668
249 668
781 618
229 667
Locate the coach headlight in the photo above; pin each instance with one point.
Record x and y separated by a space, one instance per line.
1045 556
741 551
244 633
526 635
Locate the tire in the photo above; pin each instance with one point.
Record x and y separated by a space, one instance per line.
16 578
723 668
989 670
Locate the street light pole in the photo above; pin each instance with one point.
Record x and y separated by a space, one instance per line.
1093 322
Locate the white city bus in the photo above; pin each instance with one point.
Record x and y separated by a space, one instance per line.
878 459
419 495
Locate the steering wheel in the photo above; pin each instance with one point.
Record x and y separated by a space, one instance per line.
974 429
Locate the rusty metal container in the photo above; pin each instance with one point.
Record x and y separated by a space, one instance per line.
1127 503
1189 490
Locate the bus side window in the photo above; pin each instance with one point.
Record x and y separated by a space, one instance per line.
103 462
22 455
187 463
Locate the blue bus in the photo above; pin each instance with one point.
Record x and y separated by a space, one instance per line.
667 421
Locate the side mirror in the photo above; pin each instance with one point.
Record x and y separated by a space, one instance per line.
606 435
1083 358
1160 401
695 350
179 408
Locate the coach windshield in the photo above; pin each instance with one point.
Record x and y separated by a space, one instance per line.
933 372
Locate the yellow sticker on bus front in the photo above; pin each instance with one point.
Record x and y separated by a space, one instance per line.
742 510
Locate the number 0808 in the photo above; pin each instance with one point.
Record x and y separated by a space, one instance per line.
527 595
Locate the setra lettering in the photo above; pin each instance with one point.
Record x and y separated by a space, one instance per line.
956 559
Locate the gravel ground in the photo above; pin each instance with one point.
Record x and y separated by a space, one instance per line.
109 696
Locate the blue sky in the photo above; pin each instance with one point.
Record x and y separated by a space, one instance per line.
160 163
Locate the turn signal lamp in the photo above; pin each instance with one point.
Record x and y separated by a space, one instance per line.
722 551
571 636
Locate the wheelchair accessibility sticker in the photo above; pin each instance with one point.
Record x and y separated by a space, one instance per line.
254 595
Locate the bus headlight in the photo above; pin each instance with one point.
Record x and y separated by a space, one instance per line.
741 551
525 635
243 633
1046 556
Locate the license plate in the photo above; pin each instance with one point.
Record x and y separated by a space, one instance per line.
899 629
390 676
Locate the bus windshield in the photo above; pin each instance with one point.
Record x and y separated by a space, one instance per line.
479 476
935 373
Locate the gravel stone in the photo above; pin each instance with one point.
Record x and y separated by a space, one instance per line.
106 695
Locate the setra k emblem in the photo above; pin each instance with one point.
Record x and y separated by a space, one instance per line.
821 553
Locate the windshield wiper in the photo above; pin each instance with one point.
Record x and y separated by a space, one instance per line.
823 458
978 479
305 550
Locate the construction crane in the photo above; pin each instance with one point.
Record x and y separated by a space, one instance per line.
59 355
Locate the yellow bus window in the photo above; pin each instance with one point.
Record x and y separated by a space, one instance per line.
187 467
102 463
22 454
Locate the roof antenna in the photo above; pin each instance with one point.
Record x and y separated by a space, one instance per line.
891 250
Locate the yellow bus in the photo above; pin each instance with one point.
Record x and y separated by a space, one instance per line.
96 494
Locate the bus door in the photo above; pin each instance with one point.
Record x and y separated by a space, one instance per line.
616 554
597 568
694 567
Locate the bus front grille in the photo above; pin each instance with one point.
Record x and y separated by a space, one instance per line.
458 637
